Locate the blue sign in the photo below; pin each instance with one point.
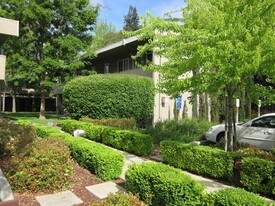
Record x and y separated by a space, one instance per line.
179 102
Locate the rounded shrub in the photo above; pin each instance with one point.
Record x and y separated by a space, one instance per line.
233 196
161 185
110 96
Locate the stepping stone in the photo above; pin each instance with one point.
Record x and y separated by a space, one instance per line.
5 189
66 198
102 190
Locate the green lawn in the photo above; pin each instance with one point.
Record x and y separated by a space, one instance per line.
33 117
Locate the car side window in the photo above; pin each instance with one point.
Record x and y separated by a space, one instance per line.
268 122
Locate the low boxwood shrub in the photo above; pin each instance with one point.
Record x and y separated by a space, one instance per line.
184 130
258 175
201 160
104 162
234 196
122 123
127 140
44 165
159 184
92 132
119 199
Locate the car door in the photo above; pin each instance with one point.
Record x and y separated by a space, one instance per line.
260 133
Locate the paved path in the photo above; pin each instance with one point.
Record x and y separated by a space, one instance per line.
68 198
103 189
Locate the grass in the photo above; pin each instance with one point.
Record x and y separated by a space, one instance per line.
34 117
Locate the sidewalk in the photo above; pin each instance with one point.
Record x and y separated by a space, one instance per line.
102 190
68 198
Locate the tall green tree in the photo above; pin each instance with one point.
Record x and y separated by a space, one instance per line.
226 41
106 33
53 35
131 20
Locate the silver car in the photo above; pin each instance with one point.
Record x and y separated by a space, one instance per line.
259 132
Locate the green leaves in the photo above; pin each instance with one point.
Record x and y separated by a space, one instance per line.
224 40
110 96
53 34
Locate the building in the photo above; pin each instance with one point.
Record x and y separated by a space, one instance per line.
116 58
8 28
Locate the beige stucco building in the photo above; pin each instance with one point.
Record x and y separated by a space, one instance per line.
8 28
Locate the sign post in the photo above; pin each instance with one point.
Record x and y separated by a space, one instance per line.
237 110
178 106
259 108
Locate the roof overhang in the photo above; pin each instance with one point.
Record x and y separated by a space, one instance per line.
130 43
8 28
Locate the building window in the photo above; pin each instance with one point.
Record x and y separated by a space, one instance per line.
106 68
123 65
144 60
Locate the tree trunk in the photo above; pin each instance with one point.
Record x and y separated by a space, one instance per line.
195 107
230 113
201 107
13 102
207 107
43 99
214 110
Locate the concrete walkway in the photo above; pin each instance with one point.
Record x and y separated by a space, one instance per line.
102 190
5 189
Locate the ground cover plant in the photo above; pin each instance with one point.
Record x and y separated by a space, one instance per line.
120 199
184 130
44 165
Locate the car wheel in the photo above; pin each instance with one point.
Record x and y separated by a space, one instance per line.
220 137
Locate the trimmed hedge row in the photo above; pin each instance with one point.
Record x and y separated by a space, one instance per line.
201 160
159 184
129 141
233 196
122 123
258 175
104 162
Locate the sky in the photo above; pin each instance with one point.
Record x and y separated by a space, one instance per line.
114 10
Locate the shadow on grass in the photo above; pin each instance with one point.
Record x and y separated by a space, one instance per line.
33 117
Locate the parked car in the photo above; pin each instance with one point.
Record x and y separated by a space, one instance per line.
259 132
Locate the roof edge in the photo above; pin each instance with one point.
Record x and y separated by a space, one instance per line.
123 42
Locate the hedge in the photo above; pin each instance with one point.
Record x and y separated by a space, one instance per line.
201 160
122 123
159 184
258 175
110 96
233 196
127 140
104 162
